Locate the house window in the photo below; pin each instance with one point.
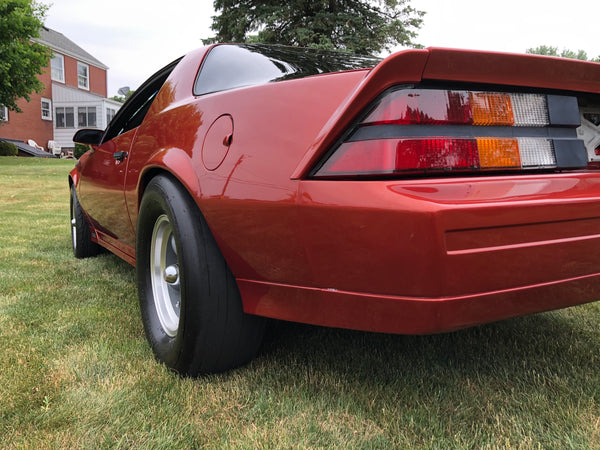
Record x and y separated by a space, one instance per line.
3 114
57 68
86 116
46 109
110 113
65 117
83 76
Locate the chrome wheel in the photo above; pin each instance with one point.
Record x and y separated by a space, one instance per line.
73 226
164 275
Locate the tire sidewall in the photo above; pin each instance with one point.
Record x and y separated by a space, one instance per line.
165 347
81 236
162 196
214 333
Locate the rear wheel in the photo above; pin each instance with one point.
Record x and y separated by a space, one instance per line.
81 236
191 307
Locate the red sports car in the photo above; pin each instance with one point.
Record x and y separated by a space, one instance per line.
430 191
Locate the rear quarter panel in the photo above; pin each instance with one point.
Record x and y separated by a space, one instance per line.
249 201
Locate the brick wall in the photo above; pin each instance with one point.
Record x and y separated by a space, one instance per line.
96 76
29 124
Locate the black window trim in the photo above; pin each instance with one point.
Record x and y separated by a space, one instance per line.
136 101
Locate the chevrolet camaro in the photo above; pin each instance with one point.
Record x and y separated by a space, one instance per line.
432 190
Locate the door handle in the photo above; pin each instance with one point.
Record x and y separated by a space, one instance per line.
120 156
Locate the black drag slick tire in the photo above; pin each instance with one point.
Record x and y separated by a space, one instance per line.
190 304
81 236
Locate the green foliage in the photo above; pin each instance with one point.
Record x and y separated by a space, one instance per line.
356 26
565 53
120 99
8 149
80 149
21 60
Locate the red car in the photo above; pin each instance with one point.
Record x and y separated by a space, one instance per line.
433 190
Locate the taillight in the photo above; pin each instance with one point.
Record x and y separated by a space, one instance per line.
432 131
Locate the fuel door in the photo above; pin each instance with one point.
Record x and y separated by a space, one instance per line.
217 141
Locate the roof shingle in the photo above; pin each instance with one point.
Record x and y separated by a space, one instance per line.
59 42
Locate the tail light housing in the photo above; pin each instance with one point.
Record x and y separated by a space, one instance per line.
428 131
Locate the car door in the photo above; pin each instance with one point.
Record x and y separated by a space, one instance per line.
101 190
102 175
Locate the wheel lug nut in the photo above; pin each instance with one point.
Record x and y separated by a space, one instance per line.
171 274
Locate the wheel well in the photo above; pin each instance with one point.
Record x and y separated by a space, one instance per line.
146 179
150 174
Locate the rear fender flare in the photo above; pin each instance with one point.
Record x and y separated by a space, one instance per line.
174 162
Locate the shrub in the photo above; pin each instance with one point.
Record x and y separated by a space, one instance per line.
8 149
80 149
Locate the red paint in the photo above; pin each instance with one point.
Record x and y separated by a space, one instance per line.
405 256
512 70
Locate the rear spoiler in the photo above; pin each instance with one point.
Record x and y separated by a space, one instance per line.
451 65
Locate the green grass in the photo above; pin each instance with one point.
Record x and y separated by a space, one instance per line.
75 370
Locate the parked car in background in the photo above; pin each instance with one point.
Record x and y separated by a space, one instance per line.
434 190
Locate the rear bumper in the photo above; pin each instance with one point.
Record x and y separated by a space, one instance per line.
422 256
404 315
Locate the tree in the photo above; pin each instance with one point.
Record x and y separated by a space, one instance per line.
122 99
356 26
553 51
21 59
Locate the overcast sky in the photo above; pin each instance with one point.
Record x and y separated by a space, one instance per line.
135 38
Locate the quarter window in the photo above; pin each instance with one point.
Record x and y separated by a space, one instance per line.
65 117
46 109
57 66
83 76
86 116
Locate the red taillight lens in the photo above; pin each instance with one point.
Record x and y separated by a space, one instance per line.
389 156
436 154
364 157
434 131
424 107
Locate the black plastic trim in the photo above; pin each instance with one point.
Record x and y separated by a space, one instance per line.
570 154
563 111
461 131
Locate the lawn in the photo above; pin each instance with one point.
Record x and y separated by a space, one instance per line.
75 370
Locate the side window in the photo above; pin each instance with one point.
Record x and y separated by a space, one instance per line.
230 66
110 113
46 109
86 116
134 110
65 117
83 76
57 67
